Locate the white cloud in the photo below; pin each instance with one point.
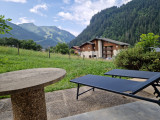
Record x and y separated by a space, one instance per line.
59 27
55 19
36 9
79 1
17 1
83 10
75 33
126 1
66 15
66 1
25 20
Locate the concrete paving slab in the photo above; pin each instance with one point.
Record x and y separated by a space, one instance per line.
63 103
139 110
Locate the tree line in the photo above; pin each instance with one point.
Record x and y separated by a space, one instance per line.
24 44
61 48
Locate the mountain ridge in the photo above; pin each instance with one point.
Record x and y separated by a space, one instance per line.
46 36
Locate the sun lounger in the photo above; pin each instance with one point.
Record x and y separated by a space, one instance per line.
119 86
131 73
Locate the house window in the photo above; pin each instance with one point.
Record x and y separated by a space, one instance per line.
116 46
88 47
83 48
94 48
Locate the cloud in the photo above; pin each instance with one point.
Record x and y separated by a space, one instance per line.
66 15
79 1
75 33
25 20
69 30
17 1
55 19
36 9
66 1
125 1
83 10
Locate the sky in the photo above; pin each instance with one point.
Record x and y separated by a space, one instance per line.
71 15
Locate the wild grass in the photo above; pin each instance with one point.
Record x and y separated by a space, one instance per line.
75 66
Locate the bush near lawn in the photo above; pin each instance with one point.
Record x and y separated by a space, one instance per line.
142 56
136 59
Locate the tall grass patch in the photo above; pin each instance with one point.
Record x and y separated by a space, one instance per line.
75 66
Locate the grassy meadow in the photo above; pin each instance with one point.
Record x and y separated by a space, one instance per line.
75 66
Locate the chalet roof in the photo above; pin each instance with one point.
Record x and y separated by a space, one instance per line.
76 47
112 41
88 42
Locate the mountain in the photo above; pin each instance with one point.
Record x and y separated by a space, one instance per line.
125 23
43 35
51 34
20 33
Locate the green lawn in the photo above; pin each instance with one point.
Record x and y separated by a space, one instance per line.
75 66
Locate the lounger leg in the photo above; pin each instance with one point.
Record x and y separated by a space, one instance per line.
78 94
78 91
113 76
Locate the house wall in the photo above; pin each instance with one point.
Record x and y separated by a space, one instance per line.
98 49
115 52
96 44
115 46
89 54
76 51
86 47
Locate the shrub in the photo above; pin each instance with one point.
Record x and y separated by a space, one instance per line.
136 59
141 57
61 48
148 41
4 28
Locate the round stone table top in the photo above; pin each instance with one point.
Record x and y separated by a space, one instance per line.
18 81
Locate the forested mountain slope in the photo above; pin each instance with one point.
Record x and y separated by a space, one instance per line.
125 23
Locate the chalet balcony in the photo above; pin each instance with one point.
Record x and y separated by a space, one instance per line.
109 48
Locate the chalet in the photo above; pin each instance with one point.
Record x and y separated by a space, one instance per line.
101 48
76 49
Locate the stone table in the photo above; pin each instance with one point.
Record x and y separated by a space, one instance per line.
26 88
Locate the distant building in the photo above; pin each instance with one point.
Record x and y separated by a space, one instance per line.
157 49
102 48
76 49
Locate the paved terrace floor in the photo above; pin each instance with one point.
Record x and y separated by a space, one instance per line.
139 110
63 103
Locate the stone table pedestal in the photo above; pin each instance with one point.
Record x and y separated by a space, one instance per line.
27 91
